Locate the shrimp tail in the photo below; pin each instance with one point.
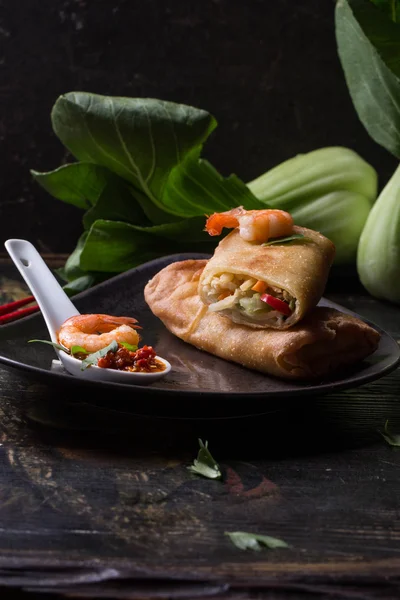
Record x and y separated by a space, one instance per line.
131 321
217 221
108 322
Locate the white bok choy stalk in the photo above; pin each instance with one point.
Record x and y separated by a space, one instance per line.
330 190
378 257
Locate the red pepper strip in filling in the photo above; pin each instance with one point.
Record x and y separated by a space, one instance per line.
277 304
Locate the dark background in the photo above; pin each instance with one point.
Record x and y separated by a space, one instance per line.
268 70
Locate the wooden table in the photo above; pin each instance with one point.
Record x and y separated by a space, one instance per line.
100 503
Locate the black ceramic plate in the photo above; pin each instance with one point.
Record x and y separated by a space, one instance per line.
198 382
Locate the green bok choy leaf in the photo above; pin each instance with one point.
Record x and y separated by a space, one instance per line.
368 43
152 144
146 190
329 189
378 258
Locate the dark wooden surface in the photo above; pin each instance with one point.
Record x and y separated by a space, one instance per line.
96 503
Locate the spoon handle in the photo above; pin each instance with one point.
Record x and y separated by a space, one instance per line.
53 302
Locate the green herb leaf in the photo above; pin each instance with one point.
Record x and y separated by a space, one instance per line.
78 350
393 439
369 50
204 464
296 237
129 347
54 344
253 541
93 358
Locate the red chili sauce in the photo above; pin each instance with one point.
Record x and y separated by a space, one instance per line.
141 360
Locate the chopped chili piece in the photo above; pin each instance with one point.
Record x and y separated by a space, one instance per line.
140 360
277 304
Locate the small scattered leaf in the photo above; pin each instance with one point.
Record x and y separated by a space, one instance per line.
129 347
296 237
254 541
204 464
93 358
54 344
78 350
393 439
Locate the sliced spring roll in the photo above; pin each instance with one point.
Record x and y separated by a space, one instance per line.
321 343
271 286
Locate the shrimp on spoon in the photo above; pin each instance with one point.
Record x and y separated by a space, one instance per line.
98 347
96 331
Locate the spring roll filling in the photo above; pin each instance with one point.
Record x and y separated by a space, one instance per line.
229 291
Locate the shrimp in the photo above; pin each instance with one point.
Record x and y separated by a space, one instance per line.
94 332
254 225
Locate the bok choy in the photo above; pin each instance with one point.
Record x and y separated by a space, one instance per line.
144 188
330 190
368 38
378 258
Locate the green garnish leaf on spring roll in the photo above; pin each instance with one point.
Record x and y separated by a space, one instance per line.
296 237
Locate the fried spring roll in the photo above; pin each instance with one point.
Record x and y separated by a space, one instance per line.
321 343
271 286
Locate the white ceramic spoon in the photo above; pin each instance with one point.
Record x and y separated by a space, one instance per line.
56 307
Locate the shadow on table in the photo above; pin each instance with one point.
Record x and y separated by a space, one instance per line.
283 427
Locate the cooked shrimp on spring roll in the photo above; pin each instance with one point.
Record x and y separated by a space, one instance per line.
268 272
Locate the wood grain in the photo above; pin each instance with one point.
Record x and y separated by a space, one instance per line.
101 502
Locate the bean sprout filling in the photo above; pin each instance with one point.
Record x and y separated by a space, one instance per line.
253 299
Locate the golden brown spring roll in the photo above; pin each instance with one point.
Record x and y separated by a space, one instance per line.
316 347
294 273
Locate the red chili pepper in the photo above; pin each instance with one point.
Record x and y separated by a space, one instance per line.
277 304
